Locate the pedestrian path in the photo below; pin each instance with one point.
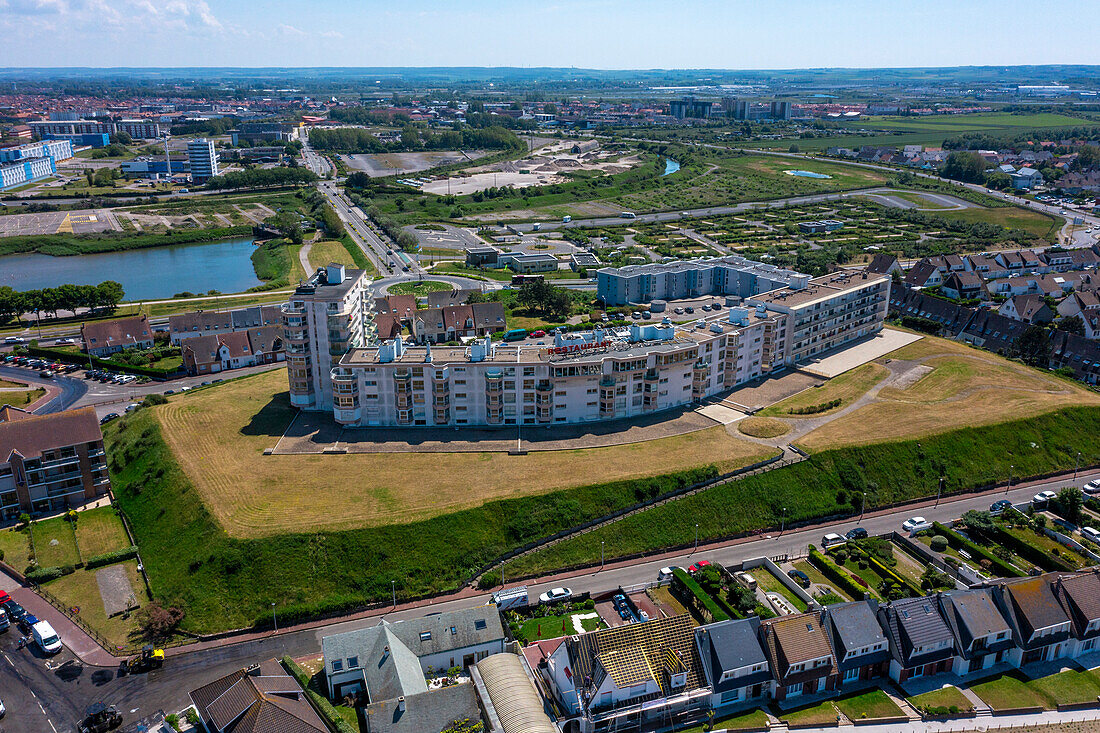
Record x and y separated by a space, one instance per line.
1049 718
981 709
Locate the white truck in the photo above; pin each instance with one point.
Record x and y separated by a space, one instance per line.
511 598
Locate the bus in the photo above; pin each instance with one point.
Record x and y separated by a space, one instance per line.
516 334
628 215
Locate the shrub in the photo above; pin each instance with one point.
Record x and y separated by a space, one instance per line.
158 622
939 543
154 399
110 558
489 580
844 581
322 705
39 575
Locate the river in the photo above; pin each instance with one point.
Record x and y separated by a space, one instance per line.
145 274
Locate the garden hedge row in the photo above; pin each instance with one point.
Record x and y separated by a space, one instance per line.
1032 553
110 558
39 575
695 597
888 573
834 573
976 551
322 705
72 357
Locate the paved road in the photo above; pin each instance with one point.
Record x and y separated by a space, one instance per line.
167 688
71 389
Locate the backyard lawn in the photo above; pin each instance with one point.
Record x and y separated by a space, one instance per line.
1008 692
1069 687
754 719
868 706
15 548
816 577
771 584
80 591
54 544
99 531
551 627
815 716
944 698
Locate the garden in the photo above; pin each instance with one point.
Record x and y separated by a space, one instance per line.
549 622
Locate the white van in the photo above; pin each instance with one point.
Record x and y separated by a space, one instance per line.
745 579
832 540
1091 534
46 638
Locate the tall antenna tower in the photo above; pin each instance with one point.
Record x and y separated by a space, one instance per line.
167 156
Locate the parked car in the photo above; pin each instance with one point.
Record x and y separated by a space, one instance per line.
64 342
16 612
4 623
1043 498
799 577
1092 487
832 540
537 334
857 533
4 597
745 579
696 567
915 524
665 573
108 418
1091 533
2 710
46 638
14 340
556 594
689 309
26 624
998 508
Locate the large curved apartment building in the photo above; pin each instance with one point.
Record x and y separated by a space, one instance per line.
335 365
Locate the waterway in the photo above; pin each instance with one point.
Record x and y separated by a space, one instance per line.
807 174
671 166
145 274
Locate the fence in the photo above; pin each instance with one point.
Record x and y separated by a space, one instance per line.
76 619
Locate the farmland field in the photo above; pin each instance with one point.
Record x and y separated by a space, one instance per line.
219 436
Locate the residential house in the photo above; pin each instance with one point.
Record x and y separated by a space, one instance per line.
401 307
1079 595
992 331
1079 302
103 338
884 264
923 275
982 636
1027 308
861 648
202 323
458 322
443 298
734 665
1026 178
1040 626
1079 354
988 268
951 316
963 286
626 677
800 656
921 643
214 353
391 659
1080 182
260 699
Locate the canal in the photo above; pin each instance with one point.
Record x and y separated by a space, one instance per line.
145 274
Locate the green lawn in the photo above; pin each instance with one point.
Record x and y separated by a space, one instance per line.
79 590
815 576
551 627
420 289
817 716
99 531
1037 225
1008 692
1069 687
53 543
20 398
349 714
750 720
15 548
770 583
943 698
868 706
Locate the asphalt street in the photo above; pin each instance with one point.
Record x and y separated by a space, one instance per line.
29 679
71 389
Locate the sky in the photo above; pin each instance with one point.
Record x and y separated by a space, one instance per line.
601 34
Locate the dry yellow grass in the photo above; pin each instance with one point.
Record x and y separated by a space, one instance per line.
219 436
846 387
763 427
329 251
966 387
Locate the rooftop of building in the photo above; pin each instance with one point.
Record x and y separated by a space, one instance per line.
742 263
317 287
820 288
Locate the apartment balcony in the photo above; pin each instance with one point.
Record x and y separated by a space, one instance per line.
297 337
607 382
652 375
342 376
62 462
53 479
289 309
544 386
346 415
439 401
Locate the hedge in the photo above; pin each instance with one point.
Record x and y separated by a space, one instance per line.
1032 553
39 575
695 597
831 571
888 573
957 541
320 703
73 357
110 558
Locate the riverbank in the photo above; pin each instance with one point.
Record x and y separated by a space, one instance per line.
64 245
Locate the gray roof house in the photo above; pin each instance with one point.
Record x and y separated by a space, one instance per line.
1040 625
734 664
982 635
921 643
390 660
861 648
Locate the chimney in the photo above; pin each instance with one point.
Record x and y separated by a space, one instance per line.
401 703
428 352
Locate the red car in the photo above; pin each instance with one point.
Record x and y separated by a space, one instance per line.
696 567
538 334
4 597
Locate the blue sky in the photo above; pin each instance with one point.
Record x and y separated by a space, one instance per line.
607 34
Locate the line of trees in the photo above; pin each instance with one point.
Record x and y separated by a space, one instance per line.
262 177
357 140
13 303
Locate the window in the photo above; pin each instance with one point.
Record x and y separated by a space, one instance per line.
425 636
479 624
337 665
353 662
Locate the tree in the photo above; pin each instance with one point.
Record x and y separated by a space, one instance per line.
964 166
741 598
1033 346
121 138
978 521
90 175
1073 324
1069 503
157 622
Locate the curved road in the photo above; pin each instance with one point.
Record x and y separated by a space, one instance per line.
71 389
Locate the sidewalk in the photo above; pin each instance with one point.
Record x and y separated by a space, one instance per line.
1048 718
91 653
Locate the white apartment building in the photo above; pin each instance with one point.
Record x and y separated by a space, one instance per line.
25 171
327 315
604 374
202 158
56 149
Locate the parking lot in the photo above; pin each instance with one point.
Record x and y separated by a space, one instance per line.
58 222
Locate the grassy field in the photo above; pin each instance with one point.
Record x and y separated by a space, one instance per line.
99 531
762 427
15 546
819 715
1007 692
80 590
751 720
54 544
846 387
327 251
832 482
868 706
1040 226
945 697
1067 688
21 398
967 387
219 436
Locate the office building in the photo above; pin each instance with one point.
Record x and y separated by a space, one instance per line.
89 140
56 149
326 316
203 159
146 167
689 108
266 132
25 171
72 127
50 462
139 129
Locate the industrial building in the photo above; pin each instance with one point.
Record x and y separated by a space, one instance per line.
266 132
146 167
203 159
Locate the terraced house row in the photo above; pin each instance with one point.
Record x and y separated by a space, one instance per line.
603 374
664 672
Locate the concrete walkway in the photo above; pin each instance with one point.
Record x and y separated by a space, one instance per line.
1050 717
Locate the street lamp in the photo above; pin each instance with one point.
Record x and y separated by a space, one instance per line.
393 590
863 506
1011 470
783 521
939 490
601 554
1076 463
273 618
696 539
